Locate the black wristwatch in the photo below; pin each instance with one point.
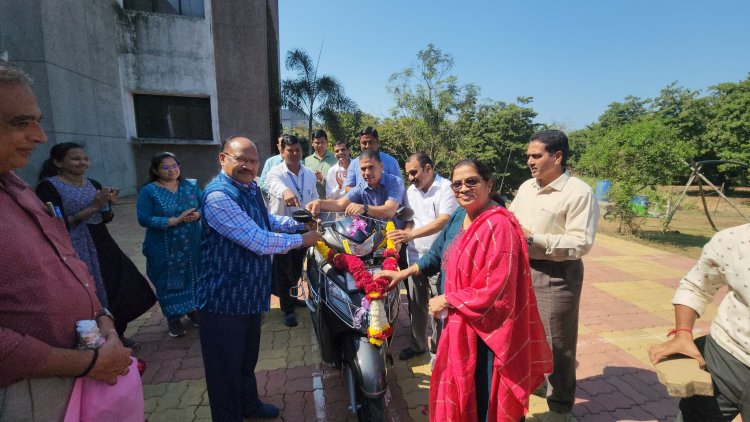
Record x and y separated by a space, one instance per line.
530 240
105 312
367 209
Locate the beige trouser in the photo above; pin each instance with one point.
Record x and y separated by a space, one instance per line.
36 400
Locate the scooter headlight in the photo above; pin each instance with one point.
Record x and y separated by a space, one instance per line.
338 298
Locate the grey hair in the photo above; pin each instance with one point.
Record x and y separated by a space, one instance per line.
11 75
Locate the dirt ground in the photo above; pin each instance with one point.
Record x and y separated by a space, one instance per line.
689 229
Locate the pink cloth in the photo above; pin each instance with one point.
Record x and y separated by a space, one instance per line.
96 401
488 282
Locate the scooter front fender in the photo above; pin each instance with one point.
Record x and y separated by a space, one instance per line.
368 365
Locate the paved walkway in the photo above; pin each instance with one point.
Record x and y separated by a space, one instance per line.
625 308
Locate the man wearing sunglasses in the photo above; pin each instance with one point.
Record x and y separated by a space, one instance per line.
369 141
559 216
433 202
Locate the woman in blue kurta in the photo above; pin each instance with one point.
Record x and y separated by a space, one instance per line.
168 208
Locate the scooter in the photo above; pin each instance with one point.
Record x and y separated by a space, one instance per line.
339 313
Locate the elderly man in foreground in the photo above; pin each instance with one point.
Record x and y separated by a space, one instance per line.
44 288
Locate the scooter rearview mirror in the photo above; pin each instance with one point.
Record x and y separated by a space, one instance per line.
302 216
405 214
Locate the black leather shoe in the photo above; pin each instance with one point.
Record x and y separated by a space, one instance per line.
290 320
409 353
264 411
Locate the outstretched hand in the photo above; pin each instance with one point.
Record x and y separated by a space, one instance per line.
682 344
396 277
313 207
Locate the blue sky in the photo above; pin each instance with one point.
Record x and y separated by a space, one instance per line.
573 57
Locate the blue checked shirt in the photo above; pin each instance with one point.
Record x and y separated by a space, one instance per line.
229 220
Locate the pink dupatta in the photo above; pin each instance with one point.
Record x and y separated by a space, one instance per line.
488 282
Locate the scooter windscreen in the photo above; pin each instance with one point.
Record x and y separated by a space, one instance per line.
353 235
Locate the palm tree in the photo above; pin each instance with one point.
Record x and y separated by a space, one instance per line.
316 96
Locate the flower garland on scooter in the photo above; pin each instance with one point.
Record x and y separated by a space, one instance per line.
374 288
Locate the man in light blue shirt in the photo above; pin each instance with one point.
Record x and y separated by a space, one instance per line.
368 141
270 163
378 195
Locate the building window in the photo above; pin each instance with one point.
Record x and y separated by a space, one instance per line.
160 116
175 7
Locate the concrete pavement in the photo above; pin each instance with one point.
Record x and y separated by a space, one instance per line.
625 308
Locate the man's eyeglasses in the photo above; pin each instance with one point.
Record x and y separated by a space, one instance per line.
470 182
170 167
241 160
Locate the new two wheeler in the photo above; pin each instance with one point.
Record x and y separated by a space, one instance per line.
339 311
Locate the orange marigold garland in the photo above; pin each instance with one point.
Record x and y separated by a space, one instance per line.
374 288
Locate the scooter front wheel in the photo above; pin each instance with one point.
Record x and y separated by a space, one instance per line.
370 410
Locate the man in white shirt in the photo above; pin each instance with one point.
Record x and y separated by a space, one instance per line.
725 352
336 177
433 202
559 216
291 185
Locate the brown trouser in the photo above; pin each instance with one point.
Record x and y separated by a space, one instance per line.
557 286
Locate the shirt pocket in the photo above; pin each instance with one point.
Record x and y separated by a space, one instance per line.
545 222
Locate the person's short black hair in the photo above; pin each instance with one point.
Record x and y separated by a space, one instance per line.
320 133
554 140
422 158
153 170
288 139
369 130
57 153
371 155
341 142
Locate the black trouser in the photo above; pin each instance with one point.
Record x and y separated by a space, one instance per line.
731 382
230 345
287 269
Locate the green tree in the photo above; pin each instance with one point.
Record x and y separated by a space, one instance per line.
728 131
429 93
636 156
316 96
497 135
619 114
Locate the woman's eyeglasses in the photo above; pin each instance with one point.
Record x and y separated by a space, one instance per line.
470 182
170 167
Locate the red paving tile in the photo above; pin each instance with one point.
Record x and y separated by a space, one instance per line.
601 311
613 384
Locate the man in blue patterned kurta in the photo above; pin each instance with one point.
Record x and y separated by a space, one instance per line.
240 237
